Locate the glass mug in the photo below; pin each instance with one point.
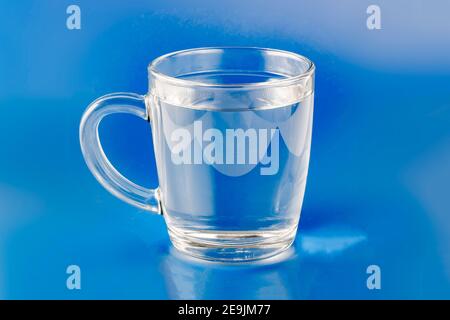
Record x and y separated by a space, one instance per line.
231 130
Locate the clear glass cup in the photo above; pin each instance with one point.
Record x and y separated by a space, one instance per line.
231 129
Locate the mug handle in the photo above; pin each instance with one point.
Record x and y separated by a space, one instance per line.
96 160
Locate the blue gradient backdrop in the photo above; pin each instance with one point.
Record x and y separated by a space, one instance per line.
378 191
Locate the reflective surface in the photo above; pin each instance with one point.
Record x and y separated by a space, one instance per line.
379 174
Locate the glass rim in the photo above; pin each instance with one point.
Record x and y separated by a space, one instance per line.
285 81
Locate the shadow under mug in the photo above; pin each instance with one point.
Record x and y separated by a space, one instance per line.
231 130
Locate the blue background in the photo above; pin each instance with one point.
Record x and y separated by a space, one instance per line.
379 181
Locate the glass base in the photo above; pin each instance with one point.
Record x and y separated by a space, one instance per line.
232 246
